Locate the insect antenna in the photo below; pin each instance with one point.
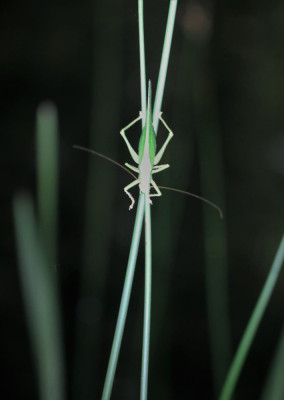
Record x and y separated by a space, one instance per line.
196 196
161 187
105 157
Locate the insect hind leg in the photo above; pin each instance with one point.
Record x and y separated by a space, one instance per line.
158 192
126 189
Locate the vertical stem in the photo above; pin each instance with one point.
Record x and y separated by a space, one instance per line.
104 133
148 240
135 238
252 326
142 60
124 300
47 177
147 295
274 385
147 301
41 300
164 64
212 182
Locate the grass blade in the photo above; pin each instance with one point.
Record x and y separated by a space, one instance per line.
47 177
215 255
142 60
124 300
147 212
164 64
135 237
138 226
274 388
148 238
107 61
41 302
147 302
252 326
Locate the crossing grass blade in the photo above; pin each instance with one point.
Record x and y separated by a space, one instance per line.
142 204
253 324
274 387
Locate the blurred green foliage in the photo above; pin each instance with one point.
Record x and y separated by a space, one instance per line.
226 75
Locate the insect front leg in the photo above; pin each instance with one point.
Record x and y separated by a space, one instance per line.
160 153
136 182
135 169
132 152
159 168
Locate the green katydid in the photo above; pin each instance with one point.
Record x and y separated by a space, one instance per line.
147 159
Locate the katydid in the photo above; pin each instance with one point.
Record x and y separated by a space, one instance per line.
147 159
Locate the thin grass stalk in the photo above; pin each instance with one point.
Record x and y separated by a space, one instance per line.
142 60
164 64
41 301
136 233
274 386
173 207
253 324
148 236
147 301
147 213
47 177
124 300
138 226
100 187
215 246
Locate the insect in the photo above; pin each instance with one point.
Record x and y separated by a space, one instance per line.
146 159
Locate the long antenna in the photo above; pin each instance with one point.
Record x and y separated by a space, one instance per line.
105 157
196 196
161 187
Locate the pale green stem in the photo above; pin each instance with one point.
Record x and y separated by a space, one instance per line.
47 177
147 295
105 92
124 300
41 301
274 385
253 324
147 301
142 61
148 239
138 226
164 64
135 238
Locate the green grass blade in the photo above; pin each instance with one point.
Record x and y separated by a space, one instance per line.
147 302
47 177
142 60
135 237
148 239
215 246
274 387
124 300
106 87
41 302
164 64
138 226
147 212
252 326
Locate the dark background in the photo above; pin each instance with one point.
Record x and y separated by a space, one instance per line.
225 77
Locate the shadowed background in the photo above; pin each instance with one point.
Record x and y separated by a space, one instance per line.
224 100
